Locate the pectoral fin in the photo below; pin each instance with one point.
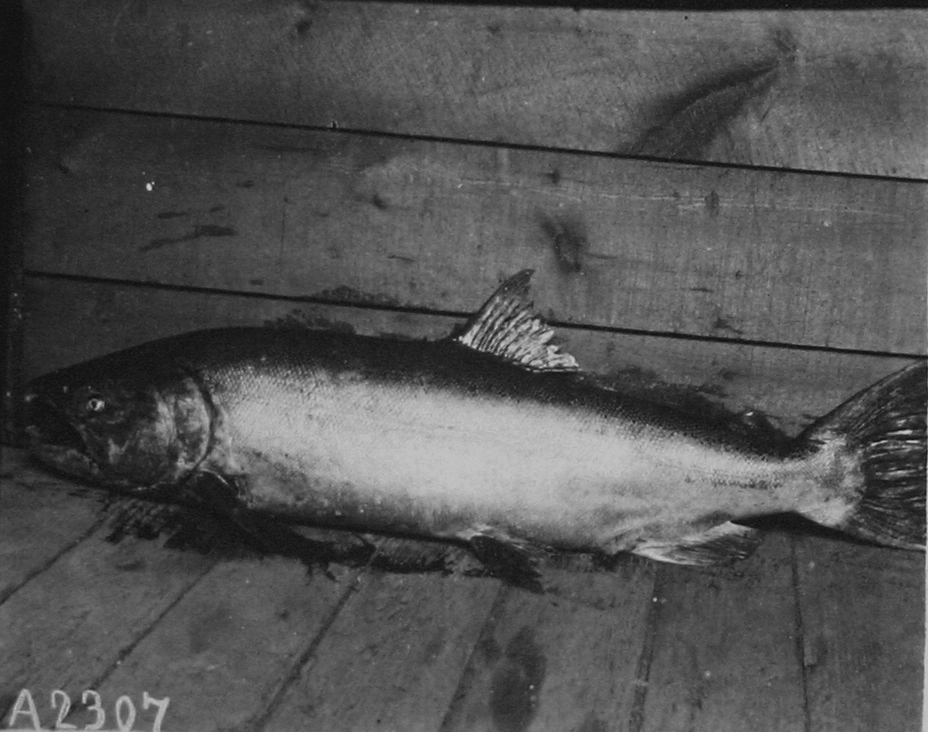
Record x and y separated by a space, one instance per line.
727 542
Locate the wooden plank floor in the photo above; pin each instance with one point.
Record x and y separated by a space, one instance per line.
809 634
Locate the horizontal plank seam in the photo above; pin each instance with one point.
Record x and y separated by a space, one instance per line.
335 128
276 698
40 274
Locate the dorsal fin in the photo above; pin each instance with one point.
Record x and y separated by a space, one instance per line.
508 327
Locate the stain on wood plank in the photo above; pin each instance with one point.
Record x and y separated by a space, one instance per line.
392 658
198 232
533 668
838 91
741 254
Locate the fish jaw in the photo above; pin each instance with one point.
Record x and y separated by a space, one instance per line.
57 443
124 433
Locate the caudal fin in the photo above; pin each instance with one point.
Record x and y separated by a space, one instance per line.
879 437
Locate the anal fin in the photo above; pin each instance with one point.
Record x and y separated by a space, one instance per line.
727 542
507 561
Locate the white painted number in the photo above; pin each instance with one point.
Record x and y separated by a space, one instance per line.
65 701
162 705
126 712
125 725
97 707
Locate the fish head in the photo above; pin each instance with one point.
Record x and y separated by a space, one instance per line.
119 421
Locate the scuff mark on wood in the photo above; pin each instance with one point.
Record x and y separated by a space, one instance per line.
517 683
198 232
350 295
568 239
303 27
721 323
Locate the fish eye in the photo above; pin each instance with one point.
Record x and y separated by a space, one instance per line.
95 404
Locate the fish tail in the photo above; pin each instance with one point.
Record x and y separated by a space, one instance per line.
876 449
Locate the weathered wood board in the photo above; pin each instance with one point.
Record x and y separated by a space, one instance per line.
855 602
402 640
39 521
838 91
723 253
532 669
725 652
69 626
230 644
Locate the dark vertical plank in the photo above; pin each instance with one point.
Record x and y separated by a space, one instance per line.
565 660
862 610
725 651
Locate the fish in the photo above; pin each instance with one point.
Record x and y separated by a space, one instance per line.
492 437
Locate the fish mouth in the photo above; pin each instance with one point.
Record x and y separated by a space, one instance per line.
55 441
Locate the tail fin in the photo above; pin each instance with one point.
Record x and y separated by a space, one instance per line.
882 432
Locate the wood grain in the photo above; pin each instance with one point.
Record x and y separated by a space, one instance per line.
838 91
725 656
568 661
39 520
732 254
71 624
863 616
230 644
392 658
71 321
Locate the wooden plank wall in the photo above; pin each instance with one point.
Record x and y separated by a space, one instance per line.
722 209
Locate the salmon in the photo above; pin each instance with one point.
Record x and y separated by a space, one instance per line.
492 436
